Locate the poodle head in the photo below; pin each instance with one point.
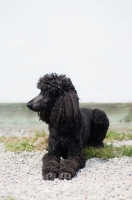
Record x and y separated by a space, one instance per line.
57 100
55 84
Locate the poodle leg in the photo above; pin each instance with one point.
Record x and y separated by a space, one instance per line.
74 161
99 128
51 160
70 166
50 167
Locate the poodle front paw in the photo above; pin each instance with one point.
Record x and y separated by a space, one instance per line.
65 175
50 176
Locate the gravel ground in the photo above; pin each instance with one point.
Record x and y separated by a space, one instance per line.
20 179
16 132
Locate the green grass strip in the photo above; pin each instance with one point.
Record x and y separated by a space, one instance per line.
25 144
111 135
109 151
18 144
39 142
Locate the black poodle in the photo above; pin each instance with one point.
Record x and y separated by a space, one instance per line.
71 128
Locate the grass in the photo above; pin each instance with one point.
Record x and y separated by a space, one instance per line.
111 136
39 142
16 144
109 151
9 198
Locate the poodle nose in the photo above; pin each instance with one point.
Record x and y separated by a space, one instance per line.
29 105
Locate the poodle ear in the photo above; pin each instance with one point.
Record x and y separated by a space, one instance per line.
65 109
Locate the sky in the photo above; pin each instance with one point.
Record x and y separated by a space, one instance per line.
89 41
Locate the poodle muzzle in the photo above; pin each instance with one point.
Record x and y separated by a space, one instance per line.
38 103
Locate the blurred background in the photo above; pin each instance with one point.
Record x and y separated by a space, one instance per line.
89 41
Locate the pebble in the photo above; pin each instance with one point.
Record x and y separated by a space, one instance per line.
21 179
17 132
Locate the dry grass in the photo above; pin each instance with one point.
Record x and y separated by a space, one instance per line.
40 140
35 143
112 135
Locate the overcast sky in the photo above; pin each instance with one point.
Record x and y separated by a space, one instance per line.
88 40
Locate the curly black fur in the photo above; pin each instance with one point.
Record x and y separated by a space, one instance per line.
71 128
